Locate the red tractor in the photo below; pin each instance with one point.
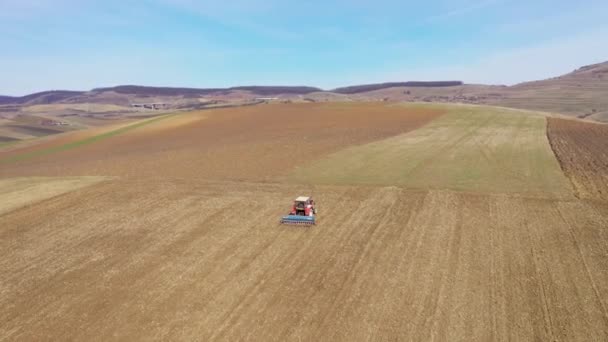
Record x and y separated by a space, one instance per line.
302 212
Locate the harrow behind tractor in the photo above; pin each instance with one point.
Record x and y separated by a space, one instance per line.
303 212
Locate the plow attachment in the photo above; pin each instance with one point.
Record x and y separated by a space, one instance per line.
298 220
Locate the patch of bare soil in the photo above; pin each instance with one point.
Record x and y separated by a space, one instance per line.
192 260
582 150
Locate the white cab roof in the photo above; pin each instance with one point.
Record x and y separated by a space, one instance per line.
302 199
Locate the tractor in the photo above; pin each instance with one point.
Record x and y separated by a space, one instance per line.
303 212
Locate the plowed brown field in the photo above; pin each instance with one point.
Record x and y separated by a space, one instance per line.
201 261
175 248
248 143
582 149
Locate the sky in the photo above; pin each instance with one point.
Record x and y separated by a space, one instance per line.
83 44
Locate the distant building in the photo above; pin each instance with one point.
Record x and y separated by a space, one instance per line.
266 98
49 122
152 106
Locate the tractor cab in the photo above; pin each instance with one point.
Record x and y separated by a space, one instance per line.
303 206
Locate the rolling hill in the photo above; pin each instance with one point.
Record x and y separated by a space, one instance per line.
114 94
379 86
581 93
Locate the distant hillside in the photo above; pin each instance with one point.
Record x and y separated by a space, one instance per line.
101 94
167 91
156 91
45 97
278 90
582 93
6 99
372 87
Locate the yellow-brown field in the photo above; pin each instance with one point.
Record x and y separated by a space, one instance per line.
183 243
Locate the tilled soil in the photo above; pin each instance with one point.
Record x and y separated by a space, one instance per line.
187 260
185 244
249 143
20 192
582 150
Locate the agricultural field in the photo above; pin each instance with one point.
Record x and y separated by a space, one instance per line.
435 223
27 123
474 149
20 192
255 143
582 149
24 127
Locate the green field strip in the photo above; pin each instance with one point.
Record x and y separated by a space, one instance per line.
468 149
9 143
83 142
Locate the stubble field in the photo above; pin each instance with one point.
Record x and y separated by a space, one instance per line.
184 250
471 149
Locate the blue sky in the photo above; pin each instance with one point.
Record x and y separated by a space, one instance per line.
81 44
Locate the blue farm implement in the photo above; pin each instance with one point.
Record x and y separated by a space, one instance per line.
298 220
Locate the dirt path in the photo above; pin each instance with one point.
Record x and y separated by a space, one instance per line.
187 260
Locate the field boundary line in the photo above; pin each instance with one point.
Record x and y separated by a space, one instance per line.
561 163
